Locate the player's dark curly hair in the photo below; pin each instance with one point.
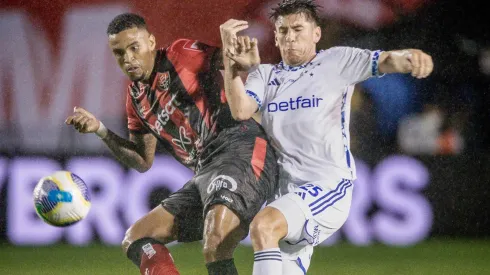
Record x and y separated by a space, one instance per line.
125 21
287 7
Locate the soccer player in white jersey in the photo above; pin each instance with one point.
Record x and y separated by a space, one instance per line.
305 107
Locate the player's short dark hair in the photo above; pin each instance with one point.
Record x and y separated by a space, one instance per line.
125 21
307 7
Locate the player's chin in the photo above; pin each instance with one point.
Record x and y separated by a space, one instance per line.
294 61
135 77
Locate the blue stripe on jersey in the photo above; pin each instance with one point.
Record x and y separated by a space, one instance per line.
345 138
255 97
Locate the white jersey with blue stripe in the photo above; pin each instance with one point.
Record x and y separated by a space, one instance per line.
306 110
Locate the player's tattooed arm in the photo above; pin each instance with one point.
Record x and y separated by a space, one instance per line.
138 152
413 61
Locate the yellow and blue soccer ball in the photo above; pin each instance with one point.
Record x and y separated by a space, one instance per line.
62 199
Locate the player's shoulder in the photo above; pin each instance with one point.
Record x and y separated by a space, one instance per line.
187 46
333 52
340 51
336 54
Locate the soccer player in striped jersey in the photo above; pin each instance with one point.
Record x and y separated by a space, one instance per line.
176 99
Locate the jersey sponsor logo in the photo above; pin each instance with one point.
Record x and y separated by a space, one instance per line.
163 83
222 181
164 115
294 104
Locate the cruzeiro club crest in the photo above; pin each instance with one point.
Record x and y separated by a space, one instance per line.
163 79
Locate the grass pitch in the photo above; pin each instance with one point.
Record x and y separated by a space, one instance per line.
429 257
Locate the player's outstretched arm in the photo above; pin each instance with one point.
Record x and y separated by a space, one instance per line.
413 61
239 54
138 152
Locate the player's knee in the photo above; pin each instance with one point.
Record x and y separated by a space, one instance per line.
154 225
269 226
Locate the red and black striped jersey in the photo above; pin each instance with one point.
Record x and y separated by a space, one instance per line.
184 104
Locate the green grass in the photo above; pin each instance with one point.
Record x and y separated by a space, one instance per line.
430 257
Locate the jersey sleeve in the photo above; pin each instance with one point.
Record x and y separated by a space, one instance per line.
356 65
193 55
255 86
134 123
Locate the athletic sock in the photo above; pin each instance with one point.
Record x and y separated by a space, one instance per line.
268 261
222 267
152 257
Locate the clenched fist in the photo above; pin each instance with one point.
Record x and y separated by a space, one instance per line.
413 61
83 121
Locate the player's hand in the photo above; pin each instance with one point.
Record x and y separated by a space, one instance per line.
413 61
228 31
83 121
241 49
246 54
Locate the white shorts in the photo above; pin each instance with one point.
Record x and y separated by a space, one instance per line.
314 211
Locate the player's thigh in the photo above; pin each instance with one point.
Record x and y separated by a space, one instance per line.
186 207
329 208
315 210
231 182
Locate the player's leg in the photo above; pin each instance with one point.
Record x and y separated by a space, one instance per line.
222 233
296 261
232 195
179 217
312 213
144 242
268 228
234 185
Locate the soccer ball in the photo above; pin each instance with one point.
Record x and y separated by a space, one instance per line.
61 199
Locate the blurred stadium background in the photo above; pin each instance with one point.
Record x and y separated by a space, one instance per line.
421 202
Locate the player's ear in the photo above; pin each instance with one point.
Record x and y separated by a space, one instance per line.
275 39
152 42
317 34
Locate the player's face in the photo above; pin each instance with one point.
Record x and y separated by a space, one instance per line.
296 37
134 52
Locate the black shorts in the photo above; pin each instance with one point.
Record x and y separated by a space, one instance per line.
238 169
